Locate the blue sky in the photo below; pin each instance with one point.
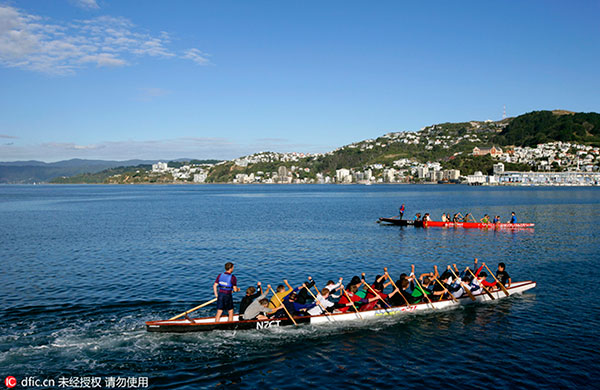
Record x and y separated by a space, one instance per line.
220 79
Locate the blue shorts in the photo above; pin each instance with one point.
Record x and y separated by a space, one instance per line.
224 302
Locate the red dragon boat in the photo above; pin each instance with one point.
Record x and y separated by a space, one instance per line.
478 225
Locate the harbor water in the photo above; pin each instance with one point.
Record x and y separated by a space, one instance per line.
82 268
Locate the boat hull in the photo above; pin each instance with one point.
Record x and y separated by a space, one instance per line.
402 222
477 225
209 324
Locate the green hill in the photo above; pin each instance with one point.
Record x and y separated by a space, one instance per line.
540 127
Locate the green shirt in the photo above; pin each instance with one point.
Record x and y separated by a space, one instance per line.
417 292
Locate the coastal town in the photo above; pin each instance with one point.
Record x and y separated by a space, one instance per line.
558 147
555 163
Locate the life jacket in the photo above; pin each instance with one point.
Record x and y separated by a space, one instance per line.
225 281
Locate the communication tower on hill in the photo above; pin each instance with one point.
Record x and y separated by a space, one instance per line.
504 112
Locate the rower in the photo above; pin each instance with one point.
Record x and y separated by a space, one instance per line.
426 284
259 309
281 293
251 295
466 218
323 303
485 219
513 218
503 276
344 303
294 307
332 286
396 298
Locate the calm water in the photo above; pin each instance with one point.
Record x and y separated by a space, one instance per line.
82 268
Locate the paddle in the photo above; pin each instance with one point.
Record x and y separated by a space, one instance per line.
348 297
374 293
445 290
396 287
497 281
482 286
194 309
465 288
284 308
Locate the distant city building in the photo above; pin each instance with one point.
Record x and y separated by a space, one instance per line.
389 175
451 174
422 172
550 178
498 169
437 176
282 171
477 179
343 176
160 167
493 151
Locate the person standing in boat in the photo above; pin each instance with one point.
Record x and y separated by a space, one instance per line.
401 212
225 285
513 218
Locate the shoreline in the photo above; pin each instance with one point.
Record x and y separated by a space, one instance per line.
302 184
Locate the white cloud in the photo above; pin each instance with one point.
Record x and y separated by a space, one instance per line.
70 146
174 148
34 43
86 4
197 56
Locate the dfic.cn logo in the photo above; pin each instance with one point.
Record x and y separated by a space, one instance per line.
10 382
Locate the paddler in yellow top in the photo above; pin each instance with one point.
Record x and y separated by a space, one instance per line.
280 294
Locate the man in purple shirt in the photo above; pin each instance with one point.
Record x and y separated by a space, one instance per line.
225 284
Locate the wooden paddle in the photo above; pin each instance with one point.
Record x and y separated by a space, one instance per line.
375 293
465 288
348 297
445 289
482 286
396 287
194 309
497 281
284 308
